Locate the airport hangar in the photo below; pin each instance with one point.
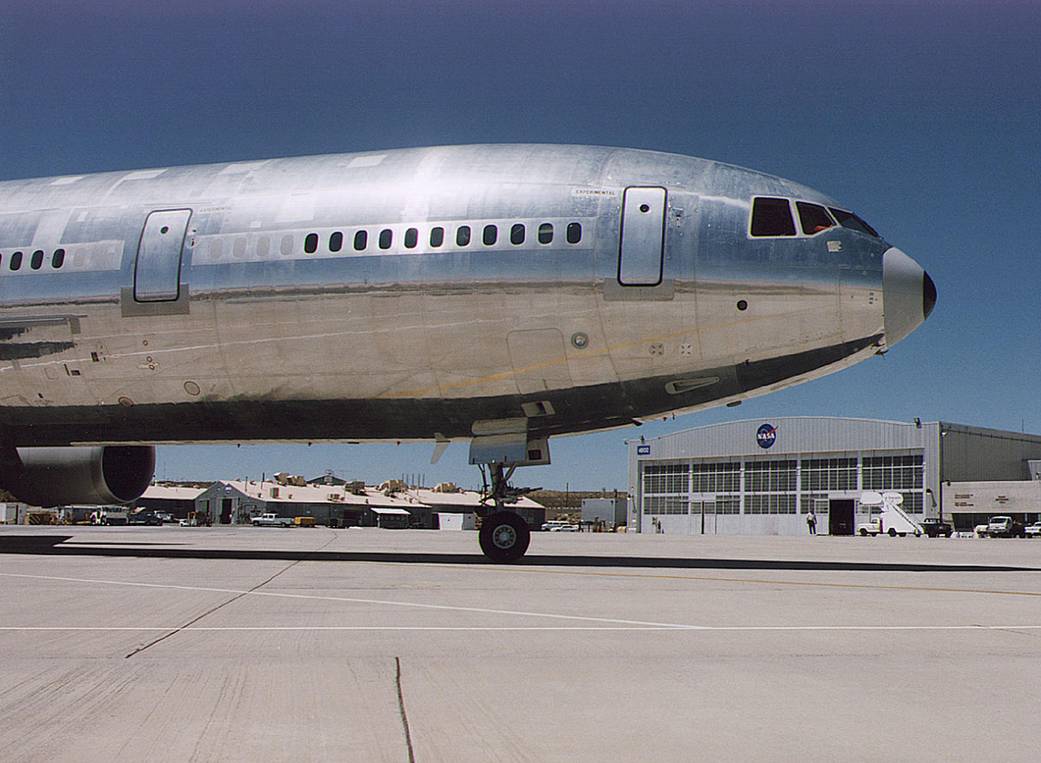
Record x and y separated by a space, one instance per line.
761 477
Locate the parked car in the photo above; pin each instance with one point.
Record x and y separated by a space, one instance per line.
980 530
1005 527
1033 531
934 527
550 524
564 529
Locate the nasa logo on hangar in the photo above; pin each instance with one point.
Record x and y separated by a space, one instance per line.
766 436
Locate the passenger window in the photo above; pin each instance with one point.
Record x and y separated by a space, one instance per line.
490 235
813 218
517 234
361 240
853 222
546 233
263 247
311 243
58 258
286 247
386 238
411 238
238 249
336 242
36 261
16 261
462 235
772 217
574 233
437 236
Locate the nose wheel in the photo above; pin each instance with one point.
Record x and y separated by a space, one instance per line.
504 536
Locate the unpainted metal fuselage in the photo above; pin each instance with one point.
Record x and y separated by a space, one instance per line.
239 333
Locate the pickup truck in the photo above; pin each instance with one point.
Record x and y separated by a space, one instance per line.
1005 527
934 527
272 520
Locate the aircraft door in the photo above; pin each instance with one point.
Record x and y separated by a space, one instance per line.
642 237
157 270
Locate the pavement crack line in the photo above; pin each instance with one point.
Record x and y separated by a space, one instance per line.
401 711
223 604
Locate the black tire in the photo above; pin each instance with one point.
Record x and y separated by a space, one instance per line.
892 532
504 536
863 533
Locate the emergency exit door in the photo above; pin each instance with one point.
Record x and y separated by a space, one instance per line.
642 238
157 270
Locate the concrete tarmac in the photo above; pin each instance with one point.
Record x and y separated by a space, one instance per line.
314 644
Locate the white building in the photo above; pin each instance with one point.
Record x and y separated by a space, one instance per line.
762 477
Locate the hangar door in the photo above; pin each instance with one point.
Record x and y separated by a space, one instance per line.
642 238
157 270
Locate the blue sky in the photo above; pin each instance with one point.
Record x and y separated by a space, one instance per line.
925 117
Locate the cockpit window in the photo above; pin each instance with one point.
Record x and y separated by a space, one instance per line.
772 217
851 221
813 217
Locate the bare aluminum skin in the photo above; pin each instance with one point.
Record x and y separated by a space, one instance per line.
256 339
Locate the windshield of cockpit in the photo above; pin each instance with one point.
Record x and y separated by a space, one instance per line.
773 216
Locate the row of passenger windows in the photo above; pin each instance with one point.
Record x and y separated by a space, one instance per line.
36 259
489 234
773 217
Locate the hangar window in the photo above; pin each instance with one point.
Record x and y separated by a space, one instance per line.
666 478
813 218
437 236
893 472
772 217
853 222
411 238
490 235
361 240
574 233
823 474
386 238
770 476
728 504
58 258
16 261
462 235
772 503
546 233
36 261
716 478
666 504
336 242
311 243
517 234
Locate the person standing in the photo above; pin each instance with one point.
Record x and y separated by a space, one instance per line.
811 522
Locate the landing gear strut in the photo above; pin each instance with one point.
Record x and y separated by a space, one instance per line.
504 533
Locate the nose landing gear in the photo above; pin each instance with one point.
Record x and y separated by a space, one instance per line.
505 534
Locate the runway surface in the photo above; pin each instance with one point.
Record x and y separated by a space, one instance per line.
306 644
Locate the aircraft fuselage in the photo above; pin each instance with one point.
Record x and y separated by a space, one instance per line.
417 293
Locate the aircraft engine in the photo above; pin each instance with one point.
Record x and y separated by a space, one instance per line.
93 475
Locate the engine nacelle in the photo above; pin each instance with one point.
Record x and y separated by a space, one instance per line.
93 475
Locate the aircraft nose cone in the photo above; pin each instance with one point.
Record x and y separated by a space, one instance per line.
928 296
908 295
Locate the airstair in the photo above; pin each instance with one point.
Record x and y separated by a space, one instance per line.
894 520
